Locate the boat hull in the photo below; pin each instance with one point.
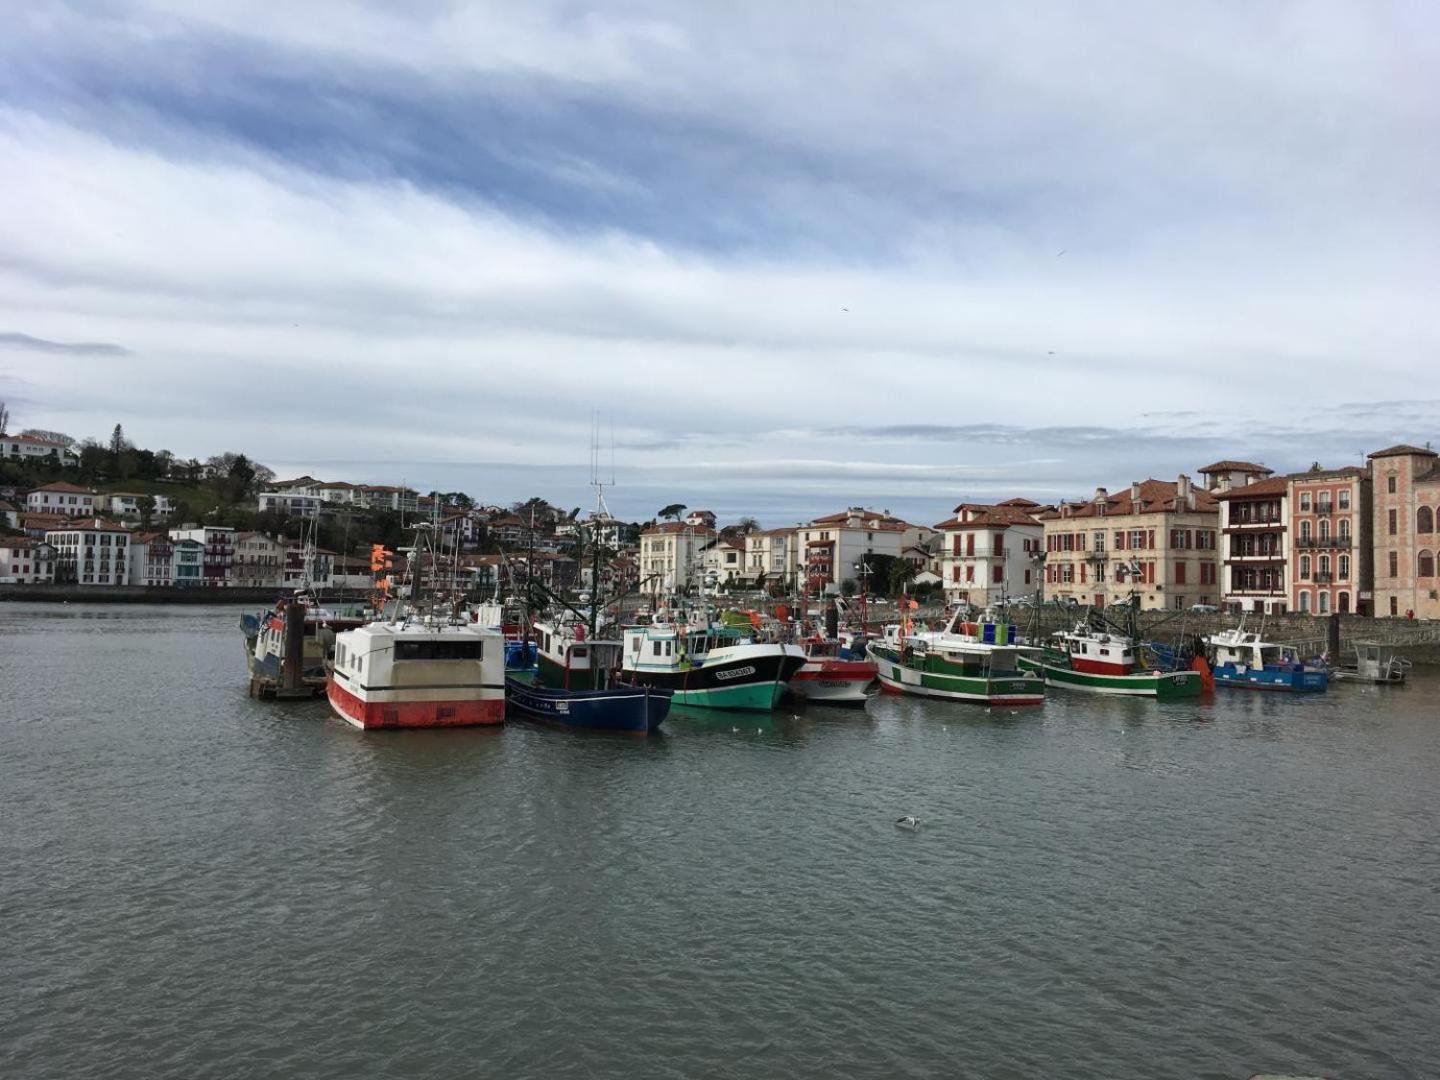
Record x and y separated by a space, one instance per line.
748 683
632 711
835 682
441 712
1301 681
900 678
1161 685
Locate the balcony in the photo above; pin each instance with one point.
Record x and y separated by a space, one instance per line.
1329 542
1255 556
1324 577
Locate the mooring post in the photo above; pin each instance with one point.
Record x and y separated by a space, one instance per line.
1332 638
292 668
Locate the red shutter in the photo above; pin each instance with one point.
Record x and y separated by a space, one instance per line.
1150 539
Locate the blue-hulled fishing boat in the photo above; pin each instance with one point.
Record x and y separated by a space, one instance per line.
574 686
1239 658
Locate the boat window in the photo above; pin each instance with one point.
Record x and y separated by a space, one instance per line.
657 648
438 650
1104 652
579 652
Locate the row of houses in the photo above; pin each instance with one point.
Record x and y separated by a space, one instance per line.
1353 539
63 499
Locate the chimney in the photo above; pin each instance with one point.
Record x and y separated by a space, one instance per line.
1135 493
1101 495
1184 494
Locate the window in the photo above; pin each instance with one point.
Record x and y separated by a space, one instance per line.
1324 529
1304 567
1344 529
1426 564
1305 500
1305 603
1324 603
1424 520
1179 573
1394 564
1394 604
1305 531
997 575
1393 521
1344 567
1345 504
1390 487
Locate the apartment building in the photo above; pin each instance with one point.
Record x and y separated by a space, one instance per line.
1406 509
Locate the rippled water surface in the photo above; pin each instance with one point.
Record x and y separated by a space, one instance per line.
198 885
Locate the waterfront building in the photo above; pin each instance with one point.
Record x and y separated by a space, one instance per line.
771 558
1406 545
30 448
61 498
988 552
24 561
189 567
152 559
127 504
671 554
91 552
1331 560
259 561
218 543
289 503
1157 540
833 549
1255 546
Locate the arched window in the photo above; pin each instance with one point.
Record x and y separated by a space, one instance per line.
1424 520
1324 603
1427 564
1344 528
1305 603
1304 567
1304 530
1324 528
1324 566
1344 568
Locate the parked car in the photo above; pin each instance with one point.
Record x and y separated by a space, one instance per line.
1204 609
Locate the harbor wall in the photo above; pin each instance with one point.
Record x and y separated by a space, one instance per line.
140 594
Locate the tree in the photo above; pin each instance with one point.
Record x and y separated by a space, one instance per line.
747 525
4 417
117 443
49 436
673 511
238 481
146 505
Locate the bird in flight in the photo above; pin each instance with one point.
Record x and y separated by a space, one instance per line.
1061 252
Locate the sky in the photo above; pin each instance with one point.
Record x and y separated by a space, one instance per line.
794 257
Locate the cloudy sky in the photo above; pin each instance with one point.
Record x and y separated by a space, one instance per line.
797 256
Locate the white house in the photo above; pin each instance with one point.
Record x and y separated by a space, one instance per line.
832 549
91 552
671 555
289 503
338 491
126 504
29 448
26 562
988 552
771 557
152 559
724 563
61 498
385 497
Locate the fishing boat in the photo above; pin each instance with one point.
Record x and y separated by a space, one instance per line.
1241 659
967 661
426 666
707 664
265 645
575 685
1103 662
1375 663
829 676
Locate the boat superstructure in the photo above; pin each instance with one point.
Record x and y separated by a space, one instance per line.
1243 659
1375 663
1102 661
966 661
830 676
707 664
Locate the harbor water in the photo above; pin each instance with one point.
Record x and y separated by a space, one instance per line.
196 884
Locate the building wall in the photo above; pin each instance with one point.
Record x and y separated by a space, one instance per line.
69 503
1328 562
982 564
91 556
1084 560
1255 550
1402 551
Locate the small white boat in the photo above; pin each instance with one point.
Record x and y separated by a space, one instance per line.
1375 663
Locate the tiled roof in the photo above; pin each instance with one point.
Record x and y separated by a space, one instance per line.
1156 497
667 528
1271 485
1330 474
1018 502
33 441
89 525
865 516
68 489
1235 466
1001 515
1402 450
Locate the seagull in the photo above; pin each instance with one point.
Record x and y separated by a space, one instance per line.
844 309
1061 252
907 822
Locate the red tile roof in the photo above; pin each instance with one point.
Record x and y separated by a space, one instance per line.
667 528
1156 497
34 441
89 525
987 516
1403 450
1235 466
68 489
1271 485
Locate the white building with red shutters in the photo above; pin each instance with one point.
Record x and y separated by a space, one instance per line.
61 498
24 561
988 552
31 448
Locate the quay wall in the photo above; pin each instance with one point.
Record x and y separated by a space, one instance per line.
136 594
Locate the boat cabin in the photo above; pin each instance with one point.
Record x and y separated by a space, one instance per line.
1094 652
568 661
